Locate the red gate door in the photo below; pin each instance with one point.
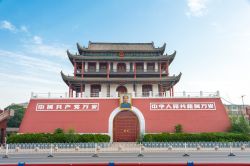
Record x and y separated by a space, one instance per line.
125 127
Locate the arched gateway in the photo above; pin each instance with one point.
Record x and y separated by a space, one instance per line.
126 127
120 123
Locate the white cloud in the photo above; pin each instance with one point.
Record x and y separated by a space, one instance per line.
29 79
37 40
23 28
8 26
31 62
197 7
36 45
52 50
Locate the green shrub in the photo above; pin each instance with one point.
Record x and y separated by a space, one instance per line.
178 128
200 137
57 138
58 131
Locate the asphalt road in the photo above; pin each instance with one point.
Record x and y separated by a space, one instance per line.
168 157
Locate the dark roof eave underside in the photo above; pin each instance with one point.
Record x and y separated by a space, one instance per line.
68 79
116 58
156 50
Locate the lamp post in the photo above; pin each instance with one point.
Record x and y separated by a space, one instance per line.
243 106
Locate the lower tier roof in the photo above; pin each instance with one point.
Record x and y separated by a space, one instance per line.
165 79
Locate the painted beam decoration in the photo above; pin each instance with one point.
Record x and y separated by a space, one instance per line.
125 102
167 106
67 107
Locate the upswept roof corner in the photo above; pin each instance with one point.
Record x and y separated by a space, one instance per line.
162 48
171 57
64 77
178 77
80 48
70 56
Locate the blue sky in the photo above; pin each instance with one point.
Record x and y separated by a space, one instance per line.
211 38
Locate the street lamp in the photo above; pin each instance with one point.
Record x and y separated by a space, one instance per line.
242 98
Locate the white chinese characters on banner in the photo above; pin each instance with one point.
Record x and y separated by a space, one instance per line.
67 107
165 106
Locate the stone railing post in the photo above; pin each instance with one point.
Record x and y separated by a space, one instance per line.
133 94
150 94
218 93
201 94
100 94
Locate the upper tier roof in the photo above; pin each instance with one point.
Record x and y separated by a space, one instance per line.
114 47
121 46
166 57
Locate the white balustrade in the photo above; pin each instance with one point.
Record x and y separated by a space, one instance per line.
150 94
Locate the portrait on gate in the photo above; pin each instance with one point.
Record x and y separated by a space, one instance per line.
125 102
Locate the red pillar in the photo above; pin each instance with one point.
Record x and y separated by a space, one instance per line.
134 70
82 69
160 70
76 95
161 90
108 70
3 133
167 65
74 69
172 91
81 90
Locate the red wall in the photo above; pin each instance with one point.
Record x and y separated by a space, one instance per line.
137 164
97 121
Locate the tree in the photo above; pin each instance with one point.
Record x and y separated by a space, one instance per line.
16 120
240 125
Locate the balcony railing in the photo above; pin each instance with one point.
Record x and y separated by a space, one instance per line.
115 71
183 94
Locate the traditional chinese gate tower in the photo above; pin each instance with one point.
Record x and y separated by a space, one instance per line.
104 69
103 73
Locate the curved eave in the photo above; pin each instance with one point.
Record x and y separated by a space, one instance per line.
177 78
64 77
172 79
82 49
70 56
162 49
116 58
171 57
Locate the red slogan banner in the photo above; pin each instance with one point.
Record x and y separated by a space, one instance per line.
67 107
165 106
